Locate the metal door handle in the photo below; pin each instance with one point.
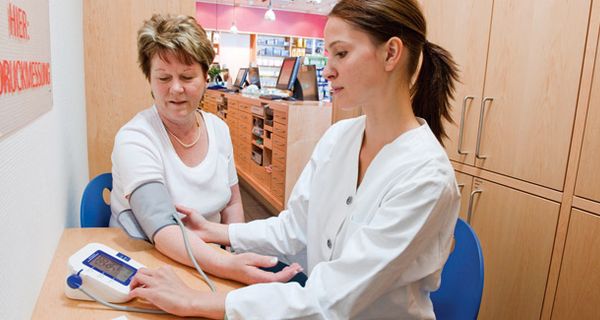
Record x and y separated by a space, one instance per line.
480 129
462 124
470 206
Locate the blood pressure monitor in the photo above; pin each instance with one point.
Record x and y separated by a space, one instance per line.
101 270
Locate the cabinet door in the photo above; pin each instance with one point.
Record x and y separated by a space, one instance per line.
462 27
465 183
516 231
577 296
533 70
588 176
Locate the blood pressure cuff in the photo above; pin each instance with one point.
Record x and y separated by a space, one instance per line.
151 210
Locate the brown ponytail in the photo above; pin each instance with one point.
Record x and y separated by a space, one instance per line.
384 19
434 88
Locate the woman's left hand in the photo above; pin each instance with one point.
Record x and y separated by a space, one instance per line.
163 288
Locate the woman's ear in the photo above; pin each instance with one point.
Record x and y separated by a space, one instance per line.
394 48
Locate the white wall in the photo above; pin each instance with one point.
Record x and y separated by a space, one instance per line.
43 170
234 52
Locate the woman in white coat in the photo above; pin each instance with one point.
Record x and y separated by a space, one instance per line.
374 209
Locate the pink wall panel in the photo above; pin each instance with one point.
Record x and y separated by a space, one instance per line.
250 20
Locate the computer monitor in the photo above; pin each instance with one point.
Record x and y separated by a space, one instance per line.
240 80
287 73
305 85
253 77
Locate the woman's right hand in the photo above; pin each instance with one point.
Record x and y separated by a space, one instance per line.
244 268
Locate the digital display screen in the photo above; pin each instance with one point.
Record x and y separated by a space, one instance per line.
287 68
253 77
110 266
241 78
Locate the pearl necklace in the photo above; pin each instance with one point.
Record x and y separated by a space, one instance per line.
189 145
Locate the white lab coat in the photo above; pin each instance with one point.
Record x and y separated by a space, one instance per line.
374 252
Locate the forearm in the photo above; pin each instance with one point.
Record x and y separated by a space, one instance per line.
216 233
169 241
209 305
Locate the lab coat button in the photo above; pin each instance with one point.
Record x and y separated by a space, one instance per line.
329 243
349 200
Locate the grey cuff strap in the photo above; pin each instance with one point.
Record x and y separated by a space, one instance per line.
152 208
131 226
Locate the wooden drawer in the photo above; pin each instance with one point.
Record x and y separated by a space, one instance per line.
260 174
280 116
244 131
244 107
232 122
245 146
280 129
232 112
278 189
278 169
278 177
279 155
245 118
243 161
244 123
278 141
258 110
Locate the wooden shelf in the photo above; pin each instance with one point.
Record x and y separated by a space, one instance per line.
270 56
258 145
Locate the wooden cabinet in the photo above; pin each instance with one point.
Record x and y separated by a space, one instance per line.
462 27
577 296
209 103
588 176
533 71
530 133
516 231
525 115
272 140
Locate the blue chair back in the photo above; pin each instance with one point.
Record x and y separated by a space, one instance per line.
94 212
459 295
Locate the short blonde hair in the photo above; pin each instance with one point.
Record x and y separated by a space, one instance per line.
179 35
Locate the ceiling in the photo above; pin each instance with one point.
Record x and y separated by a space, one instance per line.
321 7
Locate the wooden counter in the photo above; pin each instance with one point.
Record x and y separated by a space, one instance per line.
272 140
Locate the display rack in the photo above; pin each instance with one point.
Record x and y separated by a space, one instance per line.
271 50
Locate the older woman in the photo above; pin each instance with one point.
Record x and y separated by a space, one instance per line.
172 153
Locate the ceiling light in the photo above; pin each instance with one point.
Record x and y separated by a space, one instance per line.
270 14
233 28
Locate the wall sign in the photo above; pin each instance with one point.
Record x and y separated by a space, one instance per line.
25 81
